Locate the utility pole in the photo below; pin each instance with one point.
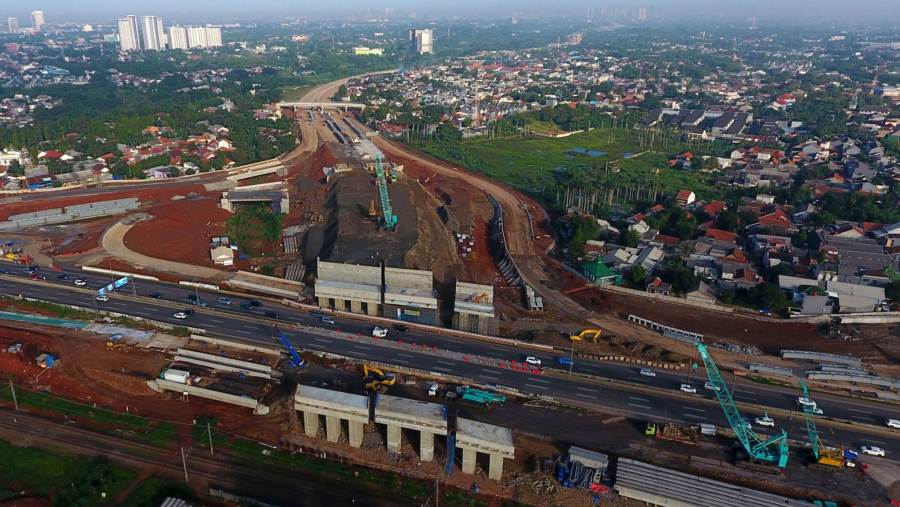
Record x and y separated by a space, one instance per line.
209 432
12 389
571 356
184 464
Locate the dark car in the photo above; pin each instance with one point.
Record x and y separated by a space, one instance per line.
4 271
246 305
63 276
199 302
192 297
270 314
254 303
401 328
317 313
155 295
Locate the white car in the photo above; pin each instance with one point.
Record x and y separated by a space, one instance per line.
180 315
81 282
533 361
893 423
803 401
816 410
379 332
433 389
871 450
765 421
102 297
710 387
688 388
647 372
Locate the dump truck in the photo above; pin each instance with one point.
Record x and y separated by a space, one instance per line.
480 397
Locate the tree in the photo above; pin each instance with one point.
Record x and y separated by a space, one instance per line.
680 276
892 291
631 238
15 169
637 275
341 92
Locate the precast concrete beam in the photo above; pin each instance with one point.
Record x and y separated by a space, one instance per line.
495 467
468 461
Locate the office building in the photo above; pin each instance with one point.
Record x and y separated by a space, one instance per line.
178 38
37 19
643 14
421 41
129 35
12 24
154 38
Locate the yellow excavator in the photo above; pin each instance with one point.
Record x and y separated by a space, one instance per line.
377 380
592 333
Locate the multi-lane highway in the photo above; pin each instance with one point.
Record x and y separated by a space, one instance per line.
626 391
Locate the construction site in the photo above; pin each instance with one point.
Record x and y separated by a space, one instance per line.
406 315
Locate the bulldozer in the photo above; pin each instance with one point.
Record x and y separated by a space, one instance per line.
377 380
592 333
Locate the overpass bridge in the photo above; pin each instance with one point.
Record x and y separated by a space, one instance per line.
324 105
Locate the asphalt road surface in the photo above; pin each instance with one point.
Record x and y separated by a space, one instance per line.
634 395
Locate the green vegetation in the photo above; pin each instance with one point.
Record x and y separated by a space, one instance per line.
547 168
256 229
151 492
764 296
137 428
41 307
70 480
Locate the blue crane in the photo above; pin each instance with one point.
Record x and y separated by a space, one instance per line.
770 450
296 360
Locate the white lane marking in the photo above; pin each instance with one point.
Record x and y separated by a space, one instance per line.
587 389
640 379
217 321
542 381
636 405
439 368
695 409
241 331
490 377
638 398
536 386
403 354
445 363
361 347
582 395
693 416
321 340
859 411
249 326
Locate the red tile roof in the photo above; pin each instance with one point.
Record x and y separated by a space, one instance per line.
720 235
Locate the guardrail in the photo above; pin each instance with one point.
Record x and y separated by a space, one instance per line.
667 331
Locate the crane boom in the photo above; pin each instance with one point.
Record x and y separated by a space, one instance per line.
755 445
296 360
387 211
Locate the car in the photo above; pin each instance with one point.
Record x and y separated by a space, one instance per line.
893 423
246 306
81 282
647 372
565 361
803 401
317 313
271 314
155 295
33 275
400 328
765 420
850 454
199 302
102 297
222 300
5 271
747 424
379 332
433 389
180 315
327 320
817 411
62 276
872 450
193 297
688 388
533 361
254 303
709 386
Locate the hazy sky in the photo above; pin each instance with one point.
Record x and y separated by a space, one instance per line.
837 11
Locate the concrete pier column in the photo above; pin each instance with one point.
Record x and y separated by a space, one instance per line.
394 438
372 309
495 467
323 302
310 423
356 433
355 306
426 446
468 462
332 428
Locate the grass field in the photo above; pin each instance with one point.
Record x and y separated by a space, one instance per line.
41 473
537 165
295 93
